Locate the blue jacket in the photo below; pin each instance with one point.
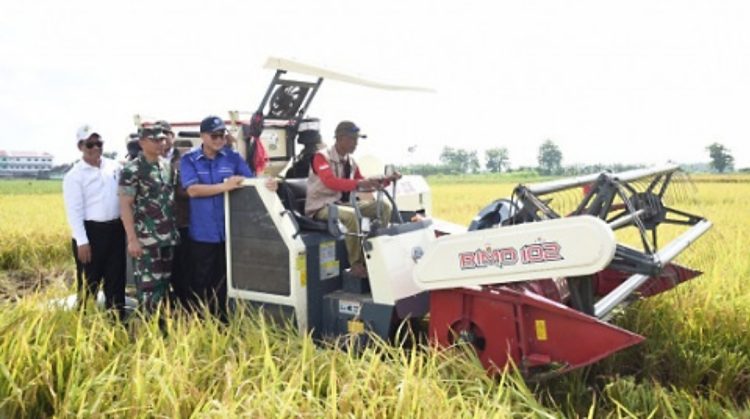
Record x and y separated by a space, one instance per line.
207 213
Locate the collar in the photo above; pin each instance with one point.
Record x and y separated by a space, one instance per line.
87 166
159 161
335 155
222 152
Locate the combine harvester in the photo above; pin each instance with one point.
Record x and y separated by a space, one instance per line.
530 281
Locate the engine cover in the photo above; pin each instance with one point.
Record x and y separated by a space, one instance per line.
572 246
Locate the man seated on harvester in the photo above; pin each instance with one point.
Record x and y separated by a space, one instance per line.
334 175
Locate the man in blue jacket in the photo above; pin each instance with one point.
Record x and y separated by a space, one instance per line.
206 173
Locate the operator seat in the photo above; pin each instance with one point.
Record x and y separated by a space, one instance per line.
301 167
293 193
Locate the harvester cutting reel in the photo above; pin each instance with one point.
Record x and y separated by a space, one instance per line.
543 271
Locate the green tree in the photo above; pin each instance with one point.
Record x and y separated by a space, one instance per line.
549 158
497 159
450 159
458 160
472 161
721 159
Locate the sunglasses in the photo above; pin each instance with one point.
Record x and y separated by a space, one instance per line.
217 136
93 144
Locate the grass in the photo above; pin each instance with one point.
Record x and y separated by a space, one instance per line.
33 232
29 187
73 364
483 178
694 363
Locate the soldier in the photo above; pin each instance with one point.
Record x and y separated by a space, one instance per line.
180 277
146 202
168 150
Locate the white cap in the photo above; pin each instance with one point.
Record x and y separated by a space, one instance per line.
85 132
309 124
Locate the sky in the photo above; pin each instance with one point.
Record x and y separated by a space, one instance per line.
609 82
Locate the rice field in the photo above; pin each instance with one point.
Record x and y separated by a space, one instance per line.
694 363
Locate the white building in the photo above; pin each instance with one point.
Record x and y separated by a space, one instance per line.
24 163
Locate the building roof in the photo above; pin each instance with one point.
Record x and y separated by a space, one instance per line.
33 154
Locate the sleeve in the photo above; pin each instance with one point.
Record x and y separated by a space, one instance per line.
127 180
322 168
242 168
73 197
358 174
188 175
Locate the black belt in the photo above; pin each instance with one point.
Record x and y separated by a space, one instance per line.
110 222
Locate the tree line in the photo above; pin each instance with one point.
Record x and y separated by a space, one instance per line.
454 161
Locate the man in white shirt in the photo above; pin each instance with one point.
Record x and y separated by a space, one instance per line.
93 210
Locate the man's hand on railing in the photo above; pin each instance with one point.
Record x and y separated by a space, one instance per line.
272 184
368 184
393 177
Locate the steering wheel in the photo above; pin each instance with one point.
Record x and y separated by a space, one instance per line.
380 193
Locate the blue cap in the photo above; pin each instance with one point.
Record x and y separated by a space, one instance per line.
348 128
212 124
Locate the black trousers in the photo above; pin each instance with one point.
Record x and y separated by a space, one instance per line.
79 265
182 269
107 265
208 283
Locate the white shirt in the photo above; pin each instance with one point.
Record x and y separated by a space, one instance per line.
90 194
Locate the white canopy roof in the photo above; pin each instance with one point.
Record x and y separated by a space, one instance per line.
289 65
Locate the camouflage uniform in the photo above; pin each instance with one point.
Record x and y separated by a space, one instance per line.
152 187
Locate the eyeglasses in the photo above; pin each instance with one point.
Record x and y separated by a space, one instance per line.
93 144
218 136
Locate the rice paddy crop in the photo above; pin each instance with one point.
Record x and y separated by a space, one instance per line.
694 363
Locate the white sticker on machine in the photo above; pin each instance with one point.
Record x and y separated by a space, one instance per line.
349 307
329 266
